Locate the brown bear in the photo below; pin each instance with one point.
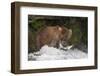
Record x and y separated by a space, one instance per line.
52 36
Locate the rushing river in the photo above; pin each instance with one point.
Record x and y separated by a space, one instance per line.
51 53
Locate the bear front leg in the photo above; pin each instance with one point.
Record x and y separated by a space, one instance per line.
54 43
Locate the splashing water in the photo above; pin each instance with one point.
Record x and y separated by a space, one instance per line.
51 53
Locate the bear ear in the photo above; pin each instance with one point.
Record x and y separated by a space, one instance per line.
59 28
69 34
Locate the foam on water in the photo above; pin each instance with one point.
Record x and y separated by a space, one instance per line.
51 53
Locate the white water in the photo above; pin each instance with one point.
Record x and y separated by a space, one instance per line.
51 53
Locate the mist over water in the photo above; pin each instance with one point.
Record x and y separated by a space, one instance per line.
51 53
